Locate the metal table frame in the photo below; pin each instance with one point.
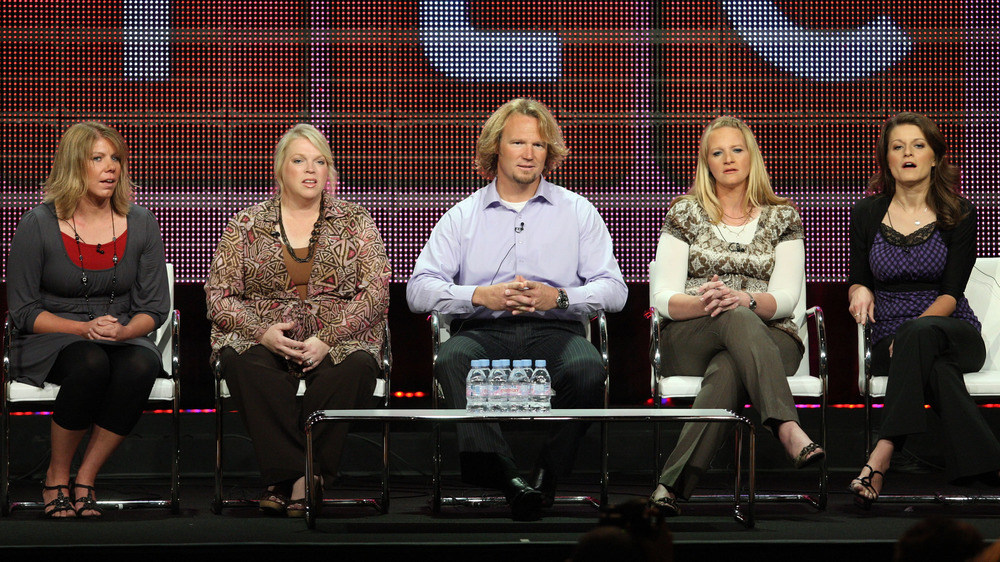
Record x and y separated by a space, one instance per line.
386 416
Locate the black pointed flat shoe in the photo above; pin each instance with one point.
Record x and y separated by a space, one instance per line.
525 502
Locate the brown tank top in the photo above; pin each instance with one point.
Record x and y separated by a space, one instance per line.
298 272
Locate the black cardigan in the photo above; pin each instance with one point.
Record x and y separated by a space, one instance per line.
961 241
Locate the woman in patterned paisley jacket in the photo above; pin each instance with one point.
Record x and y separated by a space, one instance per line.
730 266
298 289
913 247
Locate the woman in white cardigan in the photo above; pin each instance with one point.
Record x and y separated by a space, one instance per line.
730 266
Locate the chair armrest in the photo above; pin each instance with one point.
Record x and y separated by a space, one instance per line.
438 327
166 338
815 314
437 323
655 359
175 344
386 366
602 347
8 333
602 337
864 359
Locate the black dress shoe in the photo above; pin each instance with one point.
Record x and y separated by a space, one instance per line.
544 480
525 502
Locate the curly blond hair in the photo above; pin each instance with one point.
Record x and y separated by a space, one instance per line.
488 145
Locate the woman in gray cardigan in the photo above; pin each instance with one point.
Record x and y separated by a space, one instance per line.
86 284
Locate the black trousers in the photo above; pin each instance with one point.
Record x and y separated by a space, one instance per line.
573 362
929 356
103 385
264 392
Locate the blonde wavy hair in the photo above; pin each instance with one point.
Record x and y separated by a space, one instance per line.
67 181
315 138
488 145
759 191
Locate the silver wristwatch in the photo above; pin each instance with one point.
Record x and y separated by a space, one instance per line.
562 301
753 302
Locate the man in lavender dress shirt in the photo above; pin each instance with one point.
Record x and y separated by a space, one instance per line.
520 265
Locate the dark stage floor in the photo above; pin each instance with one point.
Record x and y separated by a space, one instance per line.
706 531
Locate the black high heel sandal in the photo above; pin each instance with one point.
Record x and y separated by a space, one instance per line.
865 485
88 501
59 505
808 456
666 505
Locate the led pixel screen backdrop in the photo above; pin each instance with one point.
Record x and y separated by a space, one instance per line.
202 91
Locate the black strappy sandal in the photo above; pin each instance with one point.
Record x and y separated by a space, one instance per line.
865 484
88 501
59 505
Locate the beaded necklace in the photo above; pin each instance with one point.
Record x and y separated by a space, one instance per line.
312 237
83 270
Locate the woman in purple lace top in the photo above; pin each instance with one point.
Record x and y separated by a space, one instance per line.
913 246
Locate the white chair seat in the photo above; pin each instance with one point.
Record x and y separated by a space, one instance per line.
688 387
21 392
380 389
163 391
983 383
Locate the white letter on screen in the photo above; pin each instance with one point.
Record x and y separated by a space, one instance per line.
821 55
146 39
460 51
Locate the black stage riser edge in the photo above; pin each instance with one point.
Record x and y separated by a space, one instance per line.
481 552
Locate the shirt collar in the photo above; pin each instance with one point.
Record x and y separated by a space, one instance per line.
545 194
333 208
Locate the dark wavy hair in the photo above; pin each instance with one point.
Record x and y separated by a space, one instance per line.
944 196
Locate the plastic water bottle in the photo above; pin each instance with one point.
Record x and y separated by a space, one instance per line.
526 364
520 387
475 386
498 386
541 388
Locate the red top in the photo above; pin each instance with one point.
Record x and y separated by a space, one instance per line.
94 256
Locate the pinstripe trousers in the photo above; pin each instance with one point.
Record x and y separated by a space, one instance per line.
573 362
